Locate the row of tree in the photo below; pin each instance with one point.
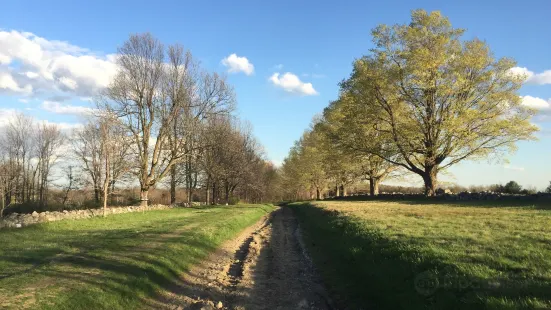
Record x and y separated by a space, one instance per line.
162 121
420 102
28 152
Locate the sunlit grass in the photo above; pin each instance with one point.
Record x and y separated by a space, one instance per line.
119 262
419 254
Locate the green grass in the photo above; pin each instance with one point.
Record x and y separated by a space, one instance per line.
423 255
120 262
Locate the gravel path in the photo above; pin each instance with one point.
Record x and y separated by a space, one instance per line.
266 267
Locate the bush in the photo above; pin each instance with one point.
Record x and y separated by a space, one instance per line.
548 189
233 200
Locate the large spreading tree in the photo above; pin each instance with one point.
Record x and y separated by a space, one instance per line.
437 99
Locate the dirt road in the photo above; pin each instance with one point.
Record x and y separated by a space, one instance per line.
266 267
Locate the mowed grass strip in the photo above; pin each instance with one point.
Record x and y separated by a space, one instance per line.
421 255
120 262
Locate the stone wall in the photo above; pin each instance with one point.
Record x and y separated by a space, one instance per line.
16 220
448 195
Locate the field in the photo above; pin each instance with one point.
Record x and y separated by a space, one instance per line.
121 262
419 255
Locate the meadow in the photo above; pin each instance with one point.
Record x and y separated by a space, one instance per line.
431 255
123 261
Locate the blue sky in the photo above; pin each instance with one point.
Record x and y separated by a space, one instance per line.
316 41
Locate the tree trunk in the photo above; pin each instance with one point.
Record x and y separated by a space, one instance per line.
143 197
318 194
106 185
214 193
337 190
173 184
96 193
227 192
190 196
207 193
3 205
105 195
430 179
373 186
342 190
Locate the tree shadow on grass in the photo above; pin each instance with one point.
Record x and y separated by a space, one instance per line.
364 270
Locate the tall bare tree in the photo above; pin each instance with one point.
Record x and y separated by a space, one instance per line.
18 140
136 96
157 97
49 140
87 144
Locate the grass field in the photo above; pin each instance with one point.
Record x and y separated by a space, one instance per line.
120 262
422 255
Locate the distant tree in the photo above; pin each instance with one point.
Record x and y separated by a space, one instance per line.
49 140
548 189
512 187
357 143
7 184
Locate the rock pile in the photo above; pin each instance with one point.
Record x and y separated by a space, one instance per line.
16 220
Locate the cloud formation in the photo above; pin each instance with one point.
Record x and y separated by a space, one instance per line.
532 77
236 64
292 84
56 107
541 105
514 168
31 66
7 115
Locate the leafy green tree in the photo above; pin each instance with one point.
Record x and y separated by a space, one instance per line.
512 187
436 99
303 170
548 189
349 138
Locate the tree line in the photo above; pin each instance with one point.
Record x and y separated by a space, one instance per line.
422 100
163 121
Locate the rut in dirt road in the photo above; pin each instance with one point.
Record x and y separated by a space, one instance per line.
266 267
281 275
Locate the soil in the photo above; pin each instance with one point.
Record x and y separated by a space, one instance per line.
266 267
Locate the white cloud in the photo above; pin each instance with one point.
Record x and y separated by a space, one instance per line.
314 75
536 103
31 75
541 105
9 84
23 100
292 84
6 115
68 82
531 77
33 65
515 168
56 107
236 64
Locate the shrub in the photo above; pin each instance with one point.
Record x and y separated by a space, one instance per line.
233 200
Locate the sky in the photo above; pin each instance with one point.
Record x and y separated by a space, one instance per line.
284 59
